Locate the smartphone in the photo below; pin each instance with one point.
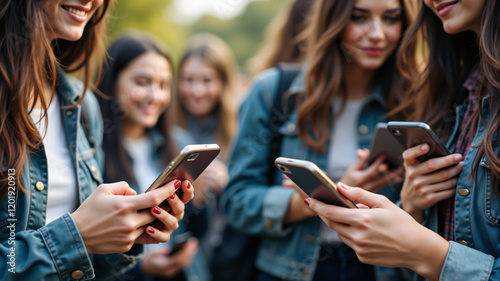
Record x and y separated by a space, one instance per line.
312 181
179 241
410 134
187 165
384 143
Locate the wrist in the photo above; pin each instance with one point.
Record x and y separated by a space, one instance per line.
416 213
430 254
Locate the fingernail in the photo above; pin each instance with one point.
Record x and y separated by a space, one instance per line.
307 201
423 147
177 184
157 210
173 196
457 157
343 186
189 185
151 230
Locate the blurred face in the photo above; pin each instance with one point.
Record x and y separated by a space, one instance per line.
199 87
373 32
143 90
458 16
66 19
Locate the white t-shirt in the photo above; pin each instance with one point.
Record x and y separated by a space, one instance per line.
143 165
342 153
62 185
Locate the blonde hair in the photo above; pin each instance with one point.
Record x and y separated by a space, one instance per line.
216 54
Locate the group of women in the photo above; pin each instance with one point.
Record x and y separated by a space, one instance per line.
364 61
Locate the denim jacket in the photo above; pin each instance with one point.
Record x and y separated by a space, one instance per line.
56 251
475 253
252 206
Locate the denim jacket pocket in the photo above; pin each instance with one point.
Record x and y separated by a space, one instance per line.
492 199
89 164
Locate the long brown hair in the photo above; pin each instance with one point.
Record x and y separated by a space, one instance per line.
121 53
282 41
217 54
324 78
27 59
451 58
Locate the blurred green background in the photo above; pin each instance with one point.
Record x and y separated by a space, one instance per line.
164 18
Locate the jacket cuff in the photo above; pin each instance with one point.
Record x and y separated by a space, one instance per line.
464 263
67 249
275 207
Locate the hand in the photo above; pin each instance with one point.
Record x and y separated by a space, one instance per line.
375 177
297 211
382 234
109 220
157 262
429 182
213 179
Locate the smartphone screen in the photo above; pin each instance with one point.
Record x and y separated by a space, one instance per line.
312 181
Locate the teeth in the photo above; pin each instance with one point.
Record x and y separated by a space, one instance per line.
76 12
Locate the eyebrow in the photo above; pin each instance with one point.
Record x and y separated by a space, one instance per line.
385 12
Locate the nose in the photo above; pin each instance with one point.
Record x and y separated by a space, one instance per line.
197 88
376 30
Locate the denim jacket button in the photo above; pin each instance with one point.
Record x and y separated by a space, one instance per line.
464 192
93 169
269 224
69 112
291 127
305 273
77 274
92 150
39 186
310 238
463 242
363 129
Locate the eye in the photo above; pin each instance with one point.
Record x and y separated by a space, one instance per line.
392 19
357 18
141 81
207 80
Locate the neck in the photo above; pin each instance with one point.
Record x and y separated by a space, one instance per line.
133 131
47 94
358 81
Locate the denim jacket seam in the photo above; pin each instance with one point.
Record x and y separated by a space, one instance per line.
50 248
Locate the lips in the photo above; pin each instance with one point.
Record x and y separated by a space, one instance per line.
78 13
444 8
373 51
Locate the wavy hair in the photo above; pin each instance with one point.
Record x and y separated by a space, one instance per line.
27 59
324 78
451 58
217 54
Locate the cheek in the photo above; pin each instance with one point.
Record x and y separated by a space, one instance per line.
394 34
350 34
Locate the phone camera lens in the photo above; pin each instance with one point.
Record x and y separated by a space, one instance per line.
193 157
282 169
396 132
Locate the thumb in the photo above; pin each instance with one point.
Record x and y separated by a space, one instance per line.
362 158
359 195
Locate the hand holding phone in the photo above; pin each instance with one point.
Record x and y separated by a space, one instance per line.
312 181
384 143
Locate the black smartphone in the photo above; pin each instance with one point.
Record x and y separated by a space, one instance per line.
312 181
178 242
384 143
187 165
410 134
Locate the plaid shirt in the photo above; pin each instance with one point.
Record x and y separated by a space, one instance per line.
447 207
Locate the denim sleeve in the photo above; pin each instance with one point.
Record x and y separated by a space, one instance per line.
250 204
465 263
108 266
52 252
97 127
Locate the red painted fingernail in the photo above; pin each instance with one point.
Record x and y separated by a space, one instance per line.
307 201
344 186
173 196
177 184
189 185
157 210
151 230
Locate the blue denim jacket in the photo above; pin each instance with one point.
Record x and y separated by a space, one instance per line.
56 251
252 206
474 255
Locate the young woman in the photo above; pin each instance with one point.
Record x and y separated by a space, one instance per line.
136 88
461 94
55 222
347 85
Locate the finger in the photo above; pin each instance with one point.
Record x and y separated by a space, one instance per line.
329 213
117 188
176 206
410 155
362 158
362 196
373 170
288 183
428 168
170 224
441 186
155 197
187 193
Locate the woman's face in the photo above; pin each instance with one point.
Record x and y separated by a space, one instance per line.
199 87
458 16
373 32
66 19
143 90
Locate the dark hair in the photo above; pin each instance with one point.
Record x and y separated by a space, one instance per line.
123 51
451 58
27 59
324 78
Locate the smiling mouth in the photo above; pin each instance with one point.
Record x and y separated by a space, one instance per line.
75 11
444 5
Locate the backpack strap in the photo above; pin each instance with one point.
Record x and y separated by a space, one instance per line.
85 121
288 72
